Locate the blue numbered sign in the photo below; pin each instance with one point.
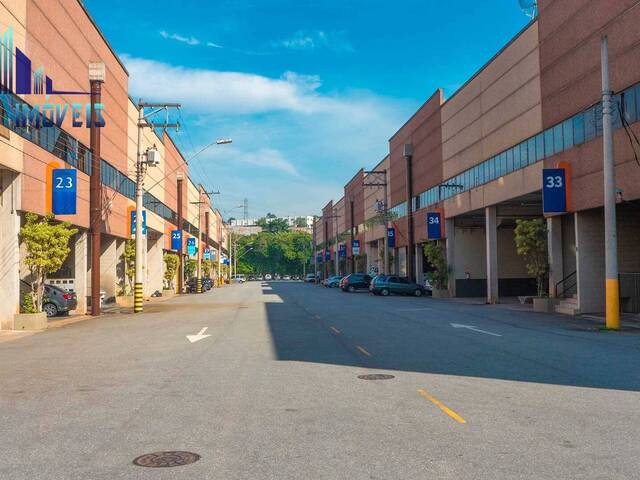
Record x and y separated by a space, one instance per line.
554 190
134 223
434 227
64 191
191 246
176 240
355 247
391 237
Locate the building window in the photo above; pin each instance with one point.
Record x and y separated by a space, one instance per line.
578 129
629 105
589 124
558 141
531 150
548 142
567 133
517 160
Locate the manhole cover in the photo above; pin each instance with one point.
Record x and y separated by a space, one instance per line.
166 459
376 376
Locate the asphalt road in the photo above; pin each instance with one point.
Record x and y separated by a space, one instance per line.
273 392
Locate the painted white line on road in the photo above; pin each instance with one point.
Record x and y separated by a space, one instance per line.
199 336
475 329
363 350
335 330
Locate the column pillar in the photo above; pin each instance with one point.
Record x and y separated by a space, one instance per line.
419 256
590 264
108 262
554 242
491 233
450 245
80 255
9 248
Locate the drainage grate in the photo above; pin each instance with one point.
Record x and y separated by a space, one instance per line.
166 459
376 376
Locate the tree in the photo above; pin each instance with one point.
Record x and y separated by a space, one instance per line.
47 244
531 244
439 276
129 258
301 222
282 252
206 268
190 268
272 224
171 261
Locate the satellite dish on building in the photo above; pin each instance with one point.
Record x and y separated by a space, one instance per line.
529 7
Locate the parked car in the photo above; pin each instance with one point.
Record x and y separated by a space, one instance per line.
58 300
355 281
286 277
240 278
267 276
387 284
192 285
310 278
333 281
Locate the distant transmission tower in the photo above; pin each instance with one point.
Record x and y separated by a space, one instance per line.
245 204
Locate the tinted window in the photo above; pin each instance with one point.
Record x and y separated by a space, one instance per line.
531 150
539 147
558 142
589 124
548 143
567 132
524 157
578 129
517 164
629 105
403 280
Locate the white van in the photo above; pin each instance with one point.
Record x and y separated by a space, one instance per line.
240 278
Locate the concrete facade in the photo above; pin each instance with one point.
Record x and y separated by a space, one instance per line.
26 162
478 158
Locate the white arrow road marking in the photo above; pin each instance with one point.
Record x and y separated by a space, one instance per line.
199 336
475 329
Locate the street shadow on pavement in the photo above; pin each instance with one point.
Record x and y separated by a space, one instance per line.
533 348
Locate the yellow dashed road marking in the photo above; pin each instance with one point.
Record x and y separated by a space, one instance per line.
441 406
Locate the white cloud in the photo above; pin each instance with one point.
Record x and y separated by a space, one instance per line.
314 40
294 145
214 45
261 158
219 92
191 40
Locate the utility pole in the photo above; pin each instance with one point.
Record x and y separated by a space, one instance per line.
337 261
315 256
143 159
96 78
199 246
610 233
408 155
180 179
379 179
219 221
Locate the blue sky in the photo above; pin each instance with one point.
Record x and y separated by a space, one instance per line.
309 90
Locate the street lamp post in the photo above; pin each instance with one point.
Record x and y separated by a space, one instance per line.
144 159
97 77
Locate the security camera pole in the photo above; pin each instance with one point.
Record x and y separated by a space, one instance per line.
149 157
